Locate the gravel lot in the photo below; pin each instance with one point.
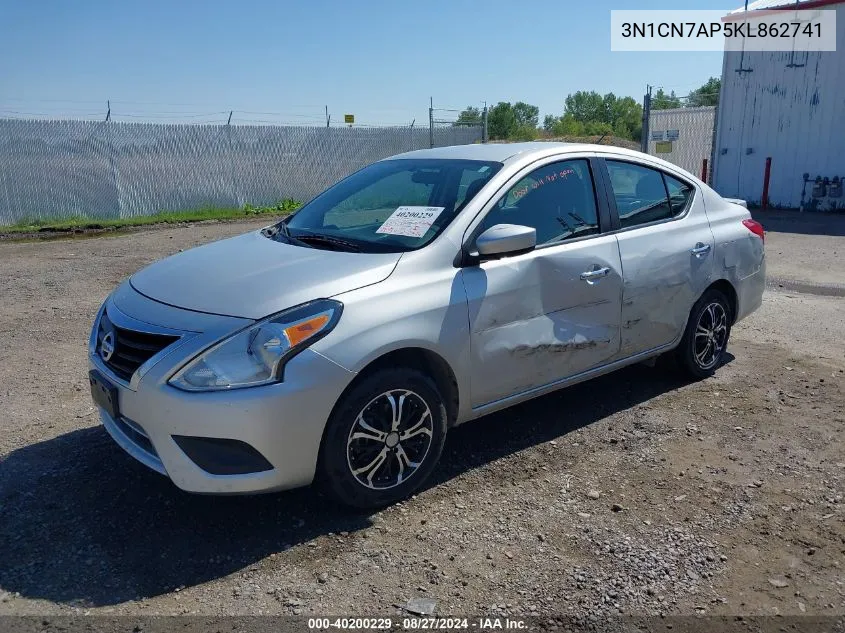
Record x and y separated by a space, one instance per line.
635 493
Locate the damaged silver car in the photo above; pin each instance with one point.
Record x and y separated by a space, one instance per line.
340 344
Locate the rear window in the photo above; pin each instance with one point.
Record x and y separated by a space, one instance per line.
644 195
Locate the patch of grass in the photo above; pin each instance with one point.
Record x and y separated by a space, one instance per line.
83 223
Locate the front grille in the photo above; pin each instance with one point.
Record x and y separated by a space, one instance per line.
131 348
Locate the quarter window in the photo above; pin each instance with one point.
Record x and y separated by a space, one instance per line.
646 195
558 200
679 194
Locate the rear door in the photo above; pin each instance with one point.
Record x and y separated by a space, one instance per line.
551 313
666 247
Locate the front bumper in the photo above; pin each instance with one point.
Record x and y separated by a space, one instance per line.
283 422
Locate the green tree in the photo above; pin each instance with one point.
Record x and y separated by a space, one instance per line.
589 113
597 128
625 116
706 95
524 133
567 125
585 106
501 121
469 116
526 115
549 122
661 101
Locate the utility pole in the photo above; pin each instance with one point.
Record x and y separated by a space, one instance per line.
484 132
646 114
431 122
328 117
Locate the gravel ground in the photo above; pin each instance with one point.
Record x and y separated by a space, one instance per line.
634 493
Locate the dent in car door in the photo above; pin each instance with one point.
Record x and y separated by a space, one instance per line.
534 319
667 263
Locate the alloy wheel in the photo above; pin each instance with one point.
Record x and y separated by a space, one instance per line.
390 439
711 333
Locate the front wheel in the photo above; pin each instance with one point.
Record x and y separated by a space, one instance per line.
384 439
705 339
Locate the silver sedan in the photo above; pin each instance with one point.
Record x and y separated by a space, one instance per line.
423 291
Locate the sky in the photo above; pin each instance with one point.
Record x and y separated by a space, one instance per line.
284 61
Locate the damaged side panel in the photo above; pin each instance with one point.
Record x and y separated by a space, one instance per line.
534 320
667 268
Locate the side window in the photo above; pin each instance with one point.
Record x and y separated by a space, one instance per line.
679 194
639 192
558 200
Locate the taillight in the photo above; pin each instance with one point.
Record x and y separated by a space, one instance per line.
756 228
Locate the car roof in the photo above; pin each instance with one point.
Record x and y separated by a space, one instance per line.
502 152
527 152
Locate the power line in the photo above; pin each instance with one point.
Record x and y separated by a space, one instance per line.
84 113
166 116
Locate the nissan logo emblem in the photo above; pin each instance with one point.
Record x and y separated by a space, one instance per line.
107 346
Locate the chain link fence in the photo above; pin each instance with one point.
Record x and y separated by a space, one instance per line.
457 120
64 169
683 136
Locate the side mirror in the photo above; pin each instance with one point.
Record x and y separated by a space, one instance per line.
506 239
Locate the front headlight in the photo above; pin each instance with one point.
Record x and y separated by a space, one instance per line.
256 356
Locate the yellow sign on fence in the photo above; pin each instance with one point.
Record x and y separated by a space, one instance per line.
663 147
349 118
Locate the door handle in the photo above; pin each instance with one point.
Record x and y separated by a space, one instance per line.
589 275
700 249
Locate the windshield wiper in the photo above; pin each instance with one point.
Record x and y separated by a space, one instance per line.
327 239
280 233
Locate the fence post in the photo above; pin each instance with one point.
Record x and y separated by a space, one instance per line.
484 134
704 171
646 115
431 123
712 179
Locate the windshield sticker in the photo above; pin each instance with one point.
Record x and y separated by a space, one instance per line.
410 221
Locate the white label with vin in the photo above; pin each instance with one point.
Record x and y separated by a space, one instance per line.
410 221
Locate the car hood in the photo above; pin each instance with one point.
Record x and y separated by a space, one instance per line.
253 276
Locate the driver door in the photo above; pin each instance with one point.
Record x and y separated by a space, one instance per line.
554 312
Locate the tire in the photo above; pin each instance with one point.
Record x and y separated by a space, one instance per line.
705 339
400 460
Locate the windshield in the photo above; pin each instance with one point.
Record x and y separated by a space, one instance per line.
390 206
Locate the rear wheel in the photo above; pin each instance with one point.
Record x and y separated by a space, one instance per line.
705 339
383 439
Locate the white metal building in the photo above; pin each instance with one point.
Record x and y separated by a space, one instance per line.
790 107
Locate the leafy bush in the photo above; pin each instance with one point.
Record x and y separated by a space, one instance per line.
288 205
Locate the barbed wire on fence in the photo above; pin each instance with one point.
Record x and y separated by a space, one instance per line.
117 110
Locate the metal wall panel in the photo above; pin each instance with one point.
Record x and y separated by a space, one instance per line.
789 106
62 169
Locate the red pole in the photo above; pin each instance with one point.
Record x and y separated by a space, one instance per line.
765 201
704 171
